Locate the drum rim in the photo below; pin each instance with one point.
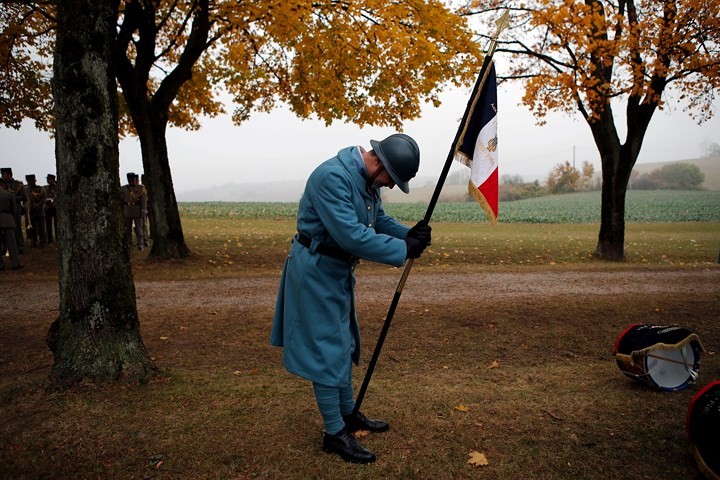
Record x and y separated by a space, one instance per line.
695 367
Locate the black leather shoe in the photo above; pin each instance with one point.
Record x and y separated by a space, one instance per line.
346 445
361 422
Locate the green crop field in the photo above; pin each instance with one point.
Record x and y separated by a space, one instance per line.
644 206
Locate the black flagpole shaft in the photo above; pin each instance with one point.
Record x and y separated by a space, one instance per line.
401 284
383 334
428 215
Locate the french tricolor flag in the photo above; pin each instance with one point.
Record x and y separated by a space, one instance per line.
478 142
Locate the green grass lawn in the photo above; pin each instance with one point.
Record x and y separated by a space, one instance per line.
234 245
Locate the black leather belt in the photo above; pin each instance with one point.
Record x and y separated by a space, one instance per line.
337 253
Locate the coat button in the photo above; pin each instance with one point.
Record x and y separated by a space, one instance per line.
369 207
369 224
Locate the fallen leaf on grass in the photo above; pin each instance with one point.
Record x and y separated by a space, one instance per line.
362 433
494 364
462 408
478 459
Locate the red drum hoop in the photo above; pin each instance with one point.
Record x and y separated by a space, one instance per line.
703 429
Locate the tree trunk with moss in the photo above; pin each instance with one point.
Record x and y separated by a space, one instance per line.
97 334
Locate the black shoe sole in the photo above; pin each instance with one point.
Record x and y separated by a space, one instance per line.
350 458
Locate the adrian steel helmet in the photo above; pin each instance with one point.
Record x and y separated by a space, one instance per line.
400 156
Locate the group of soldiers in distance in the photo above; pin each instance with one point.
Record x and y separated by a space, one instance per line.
37 207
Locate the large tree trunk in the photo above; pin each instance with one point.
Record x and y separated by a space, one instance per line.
611 239
618 161
166 228
150 121
135 56
96 335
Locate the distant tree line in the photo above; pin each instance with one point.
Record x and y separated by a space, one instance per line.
563 178
675 176
513 187
712 150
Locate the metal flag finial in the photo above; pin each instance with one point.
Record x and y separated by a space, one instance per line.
502 23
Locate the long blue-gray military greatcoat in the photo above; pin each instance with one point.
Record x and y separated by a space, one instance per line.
315 319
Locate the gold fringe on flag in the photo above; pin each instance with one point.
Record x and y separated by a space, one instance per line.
460 157
480 198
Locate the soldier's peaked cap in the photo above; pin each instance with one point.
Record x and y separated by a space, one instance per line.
50 175
30 177
132 175
5 170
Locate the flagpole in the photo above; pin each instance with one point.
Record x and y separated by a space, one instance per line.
501 24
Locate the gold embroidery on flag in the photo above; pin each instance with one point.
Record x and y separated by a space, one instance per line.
492 144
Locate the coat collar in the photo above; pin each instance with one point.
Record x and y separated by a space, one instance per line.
356 168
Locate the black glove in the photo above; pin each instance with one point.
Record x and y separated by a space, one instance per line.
415 247
422 231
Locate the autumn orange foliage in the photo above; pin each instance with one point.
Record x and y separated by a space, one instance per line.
582 55
589 56
369 62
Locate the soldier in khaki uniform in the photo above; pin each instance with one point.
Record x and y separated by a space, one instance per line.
134 208
36 196
8 208
18 188
51 208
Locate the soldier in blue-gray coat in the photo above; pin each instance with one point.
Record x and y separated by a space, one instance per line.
341 220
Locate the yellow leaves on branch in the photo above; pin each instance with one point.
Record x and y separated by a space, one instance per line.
25 68
367 61
592 52
370 62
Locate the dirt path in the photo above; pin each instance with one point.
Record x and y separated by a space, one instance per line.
41 297
528 350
